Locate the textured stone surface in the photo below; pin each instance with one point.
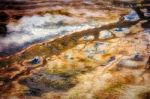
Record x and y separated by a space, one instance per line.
48 19
75 64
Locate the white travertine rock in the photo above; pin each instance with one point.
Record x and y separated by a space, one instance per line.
105 34
87 38
130 63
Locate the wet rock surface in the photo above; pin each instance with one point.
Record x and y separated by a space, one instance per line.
25 26
88 53
3 23
3 29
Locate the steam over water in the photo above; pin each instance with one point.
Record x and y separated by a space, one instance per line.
31 29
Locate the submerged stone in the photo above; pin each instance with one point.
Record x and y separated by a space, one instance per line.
118 29
120 32
35 60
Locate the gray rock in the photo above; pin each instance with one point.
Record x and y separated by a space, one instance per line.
132 16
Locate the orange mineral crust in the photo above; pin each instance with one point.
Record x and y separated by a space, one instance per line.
95 54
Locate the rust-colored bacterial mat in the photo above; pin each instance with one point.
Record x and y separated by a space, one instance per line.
72 49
